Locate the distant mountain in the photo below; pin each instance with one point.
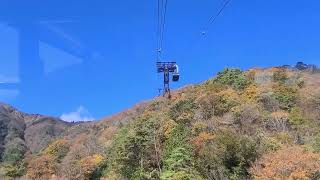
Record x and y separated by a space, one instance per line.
263 123
34 131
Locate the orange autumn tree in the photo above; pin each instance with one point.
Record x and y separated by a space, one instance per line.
287 163
42 167
199 141
89 164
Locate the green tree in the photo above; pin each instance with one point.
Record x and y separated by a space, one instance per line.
286 96
236 153
13 157
14 151
133 151
296 116
316 143
232 77
178 155
182 110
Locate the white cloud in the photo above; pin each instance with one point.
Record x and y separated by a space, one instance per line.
81 114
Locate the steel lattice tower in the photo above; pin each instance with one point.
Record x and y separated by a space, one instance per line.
166 68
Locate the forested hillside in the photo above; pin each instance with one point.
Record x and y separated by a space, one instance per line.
255 124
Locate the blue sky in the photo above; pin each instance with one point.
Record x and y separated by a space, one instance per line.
98 57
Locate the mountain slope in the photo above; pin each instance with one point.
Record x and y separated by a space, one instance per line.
11 126
40 132
237 125
22 133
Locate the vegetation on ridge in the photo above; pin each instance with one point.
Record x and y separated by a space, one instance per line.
258 124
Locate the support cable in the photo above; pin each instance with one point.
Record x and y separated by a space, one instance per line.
215 17
162 11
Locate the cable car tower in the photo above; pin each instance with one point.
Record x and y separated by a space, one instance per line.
166 68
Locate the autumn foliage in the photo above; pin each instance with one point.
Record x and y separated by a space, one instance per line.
288 163
42 167
259 124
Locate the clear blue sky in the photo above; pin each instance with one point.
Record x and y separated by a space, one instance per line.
101 54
